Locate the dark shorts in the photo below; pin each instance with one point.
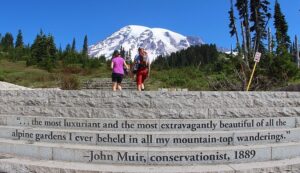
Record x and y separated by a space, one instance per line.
116 77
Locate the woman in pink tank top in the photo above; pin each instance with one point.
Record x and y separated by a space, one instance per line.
117 65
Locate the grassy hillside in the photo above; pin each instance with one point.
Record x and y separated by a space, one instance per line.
191 78
185 77
34 77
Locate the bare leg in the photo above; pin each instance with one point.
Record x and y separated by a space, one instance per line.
139 87
142 86
119 87
114 87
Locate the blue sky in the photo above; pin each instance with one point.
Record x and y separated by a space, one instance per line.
98 19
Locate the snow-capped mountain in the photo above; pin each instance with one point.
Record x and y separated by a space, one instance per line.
156 41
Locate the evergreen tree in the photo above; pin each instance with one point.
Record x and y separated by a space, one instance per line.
297 51
254 16
60 50
292 49
19 51
193 56
60 53
85 46
19 40
68 49
50 61
69 57
73 49
7 42
281 26
122 52
67 54
281 66
36 50
259 17
270 41
232 26
51 47
243 9
43 52
0 41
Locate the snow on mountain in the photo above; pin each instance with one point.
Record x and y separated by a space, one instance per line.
156 41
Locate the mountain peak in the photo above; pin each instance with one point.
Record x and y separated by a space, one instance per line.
156 41
136 27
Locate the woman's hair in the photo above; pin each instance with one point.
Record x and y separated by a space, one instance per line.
116 53
140 48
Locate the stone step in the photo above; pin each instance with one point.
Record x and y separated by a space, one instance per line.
110 81
149 94
150 139
150 113
110 84
151 125
106 80
163 103
108 88
151 155
125 80
106 84
16 164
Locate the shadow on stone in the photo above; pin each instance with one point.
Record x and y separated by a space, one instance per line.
290 88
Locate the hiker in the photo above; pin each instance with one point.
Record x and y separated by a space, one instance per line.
142 68
117 65
128 62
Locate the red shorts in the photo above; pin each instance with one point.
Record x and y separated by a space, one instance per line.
141 76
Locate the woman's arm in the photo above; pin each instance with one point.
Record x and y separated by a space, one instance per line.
112 65
149 69
125 65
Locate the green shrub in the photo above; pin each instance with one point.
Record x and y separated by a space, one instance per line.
70 82
72 69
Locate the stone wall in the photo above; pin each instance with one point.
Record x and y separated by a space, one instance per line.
150 131
150 105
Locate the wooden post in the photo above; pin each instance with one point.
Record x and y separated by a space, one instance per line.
250 81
